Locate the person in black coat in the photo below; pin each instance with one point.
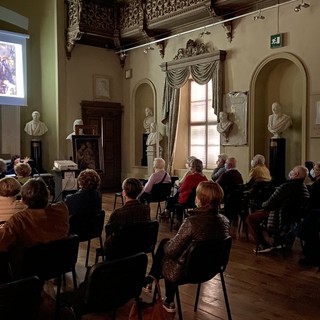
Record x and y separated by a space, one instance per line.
308 230
284 205
86 203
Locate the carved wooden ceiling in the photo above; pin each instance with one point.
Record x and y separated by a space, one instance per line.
122 25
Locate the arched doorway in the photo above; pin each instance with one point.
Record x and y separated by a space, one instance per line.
282 78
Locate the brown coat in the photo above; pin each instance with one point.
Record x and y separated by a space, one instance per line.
205 224
30 227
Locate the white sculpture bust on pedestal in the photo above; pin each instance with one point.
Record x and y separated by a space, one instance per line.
153 136
148 120
35 127
278 122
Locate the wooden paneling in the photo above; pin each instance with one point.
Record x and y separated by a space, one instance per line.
106 116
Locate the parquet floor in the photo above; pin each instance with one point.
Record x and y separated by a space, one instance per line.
260 287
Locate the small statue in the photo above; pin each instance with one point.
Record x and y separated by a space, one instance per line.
77 122
35 127
153 136
148 120
225 125
278 122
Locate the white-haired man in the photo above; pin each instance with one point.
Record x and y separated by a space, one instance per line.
158 176
258 172
282 206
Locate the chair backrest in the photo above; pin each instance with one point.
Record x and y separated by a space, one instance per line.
160 192
21 299
113 283
92 229
47 261
133 238
234 201
191 199
205 259
261 191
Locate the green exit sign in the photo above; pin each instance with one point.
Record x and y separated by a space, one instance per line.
276 40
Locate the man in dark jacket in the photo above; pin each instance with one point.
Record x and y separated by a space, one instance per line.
284 206
308 230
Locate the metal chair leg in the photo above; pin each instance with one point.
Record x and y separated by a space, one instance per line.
179 304
88 251
225 295
197 298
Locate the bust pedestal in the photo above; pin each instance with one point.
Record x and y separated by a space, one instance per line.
144 161
151 153
36 154
277 160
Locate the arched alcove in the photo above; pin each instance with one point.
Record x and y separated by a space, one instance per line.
144 96
282 78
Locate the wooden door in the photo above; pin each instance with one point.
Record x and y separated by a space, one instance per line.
106 116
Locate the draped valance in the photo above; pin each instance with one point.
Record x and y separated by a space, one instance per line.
203 68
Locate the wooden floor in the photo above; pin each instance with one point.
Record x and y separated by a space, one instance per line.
259 286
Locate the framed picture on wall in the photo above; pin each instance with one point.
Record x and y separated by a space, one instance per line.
101 87
87 152
315 116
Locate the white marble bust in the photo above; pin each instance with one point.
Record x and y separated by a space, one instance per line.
35 127
153 135
278 122
77 122
148 120
225 125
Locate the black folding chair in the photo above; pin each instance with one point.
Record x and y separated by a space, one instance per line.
205 259
108 286
20 299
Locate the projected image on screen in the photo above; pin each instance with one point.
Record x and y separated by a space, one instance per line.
8 68
12 68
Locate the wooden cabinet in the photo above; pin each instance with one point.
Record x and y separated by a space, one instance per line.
106 116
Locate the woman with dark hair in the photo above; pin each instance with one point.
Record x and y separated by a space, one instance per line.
15 159
204 223
86 202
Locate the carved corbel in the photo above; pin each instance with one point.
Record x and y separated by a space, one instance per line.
73 33
227 26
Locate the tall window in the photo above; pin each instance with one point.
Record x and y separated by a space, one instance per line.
204 139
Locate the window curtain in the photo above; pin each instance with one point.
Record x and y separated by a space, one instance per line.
176 78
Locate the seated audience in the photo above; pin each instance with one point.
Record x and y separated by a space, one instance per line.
258 172
205 223
191 182
9 189
309 179
14 161
158 176
308 230
230 179
86 203
178 183
280 209
23 172
40 222
131 212
3 168
220 169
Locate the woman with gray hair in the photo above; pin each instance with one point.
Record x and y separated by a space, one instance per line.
188 172
220 169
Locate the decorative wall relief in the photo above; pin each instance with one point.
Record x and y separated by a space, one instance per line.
236 106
